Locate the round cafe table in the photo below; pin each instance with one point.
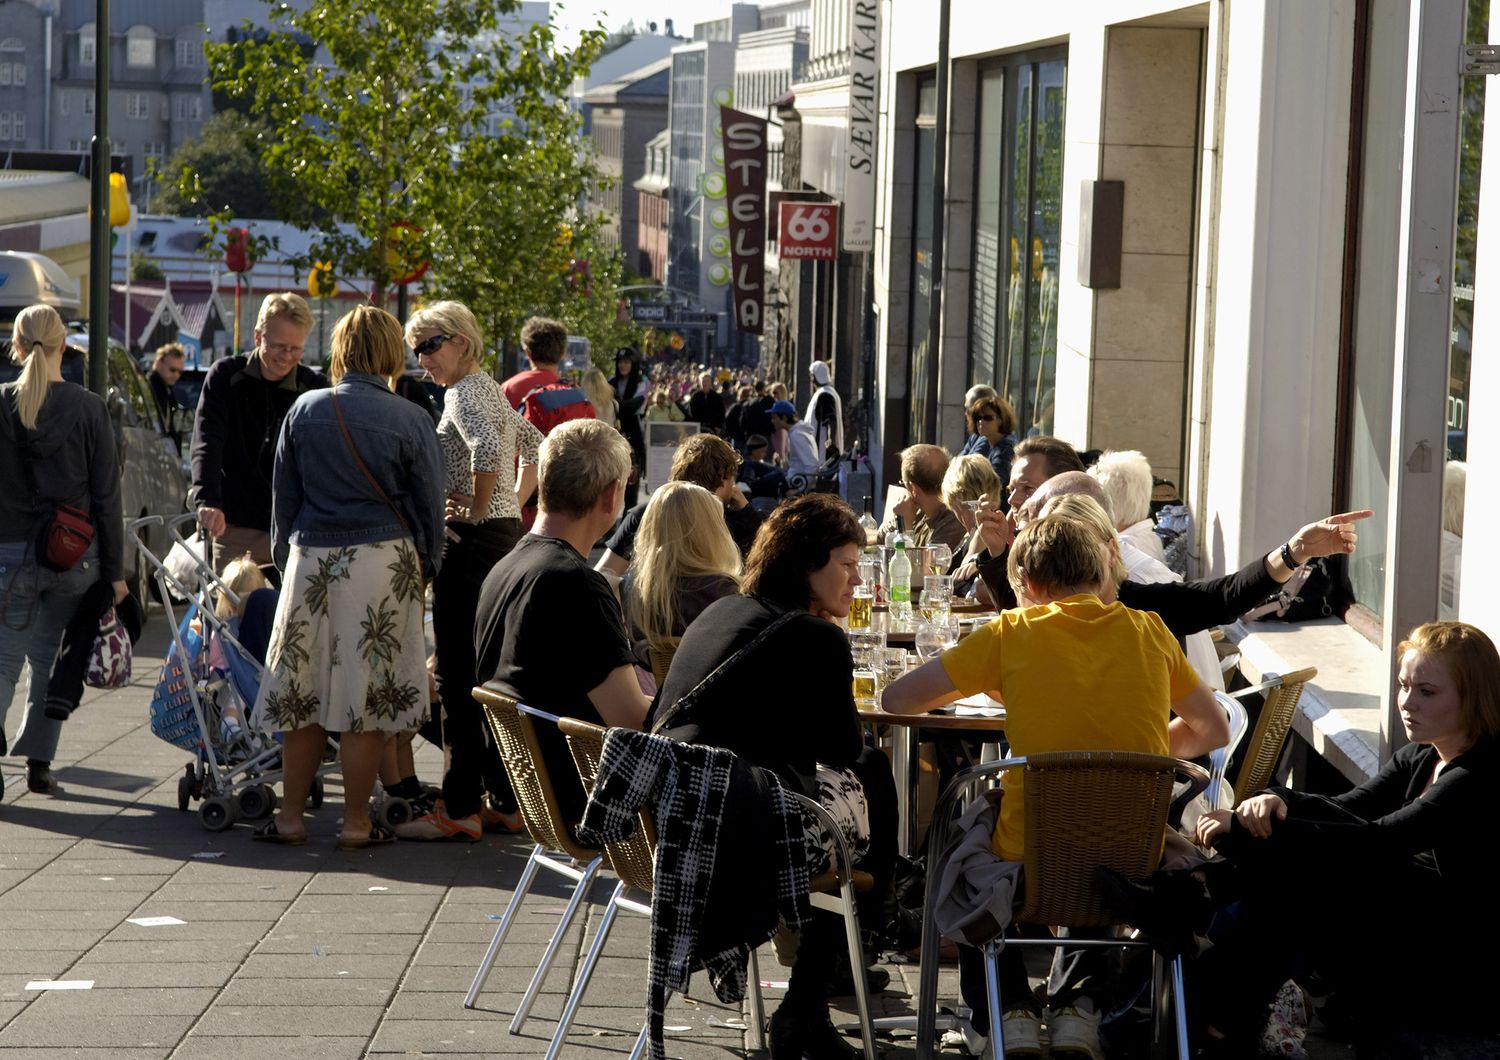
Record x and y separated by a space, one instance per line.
906 762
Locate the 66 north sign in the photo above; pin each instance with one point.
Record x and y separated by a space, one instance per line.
809 230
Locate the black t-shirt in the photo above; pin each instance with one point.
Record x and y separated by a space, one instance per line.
693 596
786 706
742 523
548 629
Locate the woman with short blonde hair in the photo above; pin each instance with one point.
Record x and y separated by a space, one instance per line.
356 528
684 560
57 450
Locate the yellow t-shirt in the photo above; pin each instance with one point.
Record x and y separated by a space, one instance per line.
1074 675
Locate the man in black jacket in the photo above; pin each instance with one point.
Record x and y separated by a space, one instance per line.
244 400
705 406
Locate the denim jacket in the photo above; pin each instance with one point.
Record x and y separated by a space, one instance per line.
321 499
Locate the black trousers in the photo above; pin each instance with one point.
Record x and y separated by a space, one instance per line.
474 764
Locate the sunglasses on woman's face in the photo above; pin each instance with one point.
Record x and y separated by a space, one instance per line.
431 345
984 418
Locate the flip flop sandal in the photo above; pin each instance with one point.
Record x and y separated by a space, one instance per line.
379 835
267 833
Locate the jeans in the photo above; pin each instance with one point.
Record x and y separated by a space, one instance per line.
474 761
36 605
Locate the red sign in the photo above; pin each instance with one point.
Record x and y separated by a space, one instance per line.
809 230
745 175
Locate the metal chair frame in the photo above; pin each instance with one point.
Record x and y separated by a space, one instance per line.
1220 794
927 1015
585 741
556 850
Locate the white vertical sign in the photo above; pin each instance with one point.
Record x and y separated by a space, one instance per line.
859 164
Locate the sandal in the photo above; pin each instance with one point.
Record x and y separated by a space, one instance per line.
268 833
379 835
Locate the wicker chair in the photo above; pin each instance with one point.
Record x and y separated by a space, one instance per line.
1084 810
1282 693
557 850
661 659
634 859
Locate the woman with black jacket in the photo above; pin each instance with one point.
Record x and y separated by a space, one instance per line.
1387 890
57 448
629 384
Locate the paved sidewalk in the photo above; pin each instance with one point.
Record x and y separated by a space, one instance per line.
291 952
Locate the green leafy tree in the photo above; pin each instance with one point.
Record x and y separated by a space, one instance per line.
220 172
439 119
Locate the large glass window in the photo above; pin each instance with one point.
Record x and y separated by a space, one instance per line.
1466 246
921 265
1017 232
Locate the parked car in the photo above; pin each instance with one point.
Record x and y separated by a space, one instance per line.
154 477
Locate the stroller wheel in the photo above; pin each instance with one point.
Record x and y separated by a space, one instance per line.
217 814
315 799
394 810
256 802
184 792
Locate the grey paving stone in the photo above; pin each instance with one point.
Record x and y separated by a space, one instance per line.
327 993
378 903
106 1053
160 950
56 1026
167 973
32 939
346 1021
211 912
407 1036
333 943
307 966
373 920
205 932
203 1047
126 1001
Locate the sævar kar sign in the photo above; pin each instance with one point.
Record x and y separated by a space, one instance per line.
745 179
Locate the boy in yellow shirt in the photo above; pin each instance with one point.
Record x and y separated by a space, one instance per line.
1075 674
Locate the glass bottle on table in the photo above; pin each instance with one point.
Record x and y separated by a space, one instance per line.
868 524
862 609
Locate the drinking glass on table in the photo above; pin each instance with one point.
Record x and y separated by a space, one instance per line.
868 648
936 635
939 560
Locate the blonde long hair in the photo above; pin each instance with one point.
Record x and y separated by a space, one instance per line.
682 534
600 394
38 329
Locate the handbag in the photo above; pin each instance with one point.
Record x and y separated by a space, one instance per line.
110 658
690 698
1319 588
174 718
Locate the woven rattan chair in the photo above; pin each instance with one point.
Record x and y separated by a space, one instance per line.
1084 810
1282 693
557 850
634 860
661 658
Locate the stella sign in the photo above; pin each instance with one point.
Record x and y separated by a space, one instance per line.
745 180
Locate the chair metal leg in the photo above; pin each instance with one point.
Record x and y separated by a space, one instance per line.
640 1043
992 988
1179 1008
1158 1000
528 877
576 997
857 968
757 1007
580 894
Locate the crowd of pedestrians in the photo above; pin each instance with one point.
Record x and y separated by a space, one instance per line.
741 572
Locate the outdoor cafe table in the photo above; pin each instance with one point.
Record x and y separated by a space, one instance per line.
906 764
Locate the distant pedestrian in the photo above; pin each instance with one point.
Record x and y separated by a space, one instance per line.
166 369
706 405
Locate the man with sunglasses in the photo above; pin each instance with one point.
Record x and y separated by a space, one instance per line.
244 400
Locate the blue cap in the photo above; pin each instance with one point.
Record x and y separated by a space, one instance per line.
784 408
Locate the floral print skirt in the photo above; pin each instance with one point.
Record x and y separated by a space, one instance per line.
843 796
347 649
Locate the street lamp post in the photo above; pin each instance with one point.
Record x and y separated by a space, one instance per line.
99 257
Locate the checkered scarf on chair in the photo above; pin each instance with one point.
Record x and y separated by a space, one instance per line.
685 787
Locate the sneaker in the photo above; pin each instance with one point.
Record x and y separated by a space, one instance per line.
1286 1024
438 825
1075 1032
1023 1033
493 820
965 1037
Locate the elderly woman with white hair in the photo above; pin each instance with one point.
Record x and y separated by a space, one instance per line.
484 442
1127 481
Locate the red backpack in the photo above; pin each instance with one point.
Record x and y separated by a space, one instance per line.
553 403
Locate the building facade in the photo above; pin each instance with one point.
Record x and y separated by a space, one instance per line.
623 116
1284 308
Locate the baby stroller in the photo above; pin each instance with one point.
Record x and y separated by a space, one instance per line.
204 698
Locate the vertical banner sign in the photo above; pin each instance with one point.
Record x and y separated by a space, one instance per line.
745 177
859 164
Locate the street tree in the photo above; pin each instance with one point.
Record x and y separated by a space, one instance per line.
425 132
220 171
